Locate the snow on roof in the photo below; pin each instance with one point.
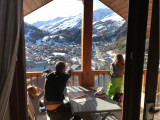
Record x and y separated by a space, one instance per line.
61 37
74 67
74 59
102 60
60 54
110 53
45 38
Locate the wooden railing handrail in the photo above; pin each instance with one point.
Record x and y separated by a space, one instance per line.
101 71
79 71
94 72
35 74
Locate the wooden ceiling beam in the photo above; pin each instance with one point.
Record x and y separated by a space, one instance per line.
121 8
107 3
125 15
115 3
31 5
123 11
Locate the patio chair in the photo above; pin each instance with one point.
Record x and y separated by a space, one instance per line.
33 114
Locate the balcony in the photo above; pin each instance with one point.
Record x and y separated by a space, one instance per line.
12 78
101 79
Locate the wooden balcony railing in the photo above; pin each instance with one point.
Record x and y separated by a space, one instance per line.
37 75
75 79
104 74
98 75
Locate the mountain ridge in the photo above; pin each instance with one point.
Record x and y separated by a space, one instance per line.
107 28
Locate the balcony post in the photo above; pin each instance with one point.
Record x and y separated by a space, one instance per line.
86 43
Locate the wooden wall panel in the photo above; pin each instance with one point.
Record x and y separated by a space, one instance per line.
121 8
31 5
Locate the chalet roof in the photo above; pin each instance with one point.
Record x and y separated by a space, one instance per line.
75 66
118 6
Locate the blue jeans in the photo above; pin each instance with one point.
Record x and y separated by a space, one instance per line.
42 109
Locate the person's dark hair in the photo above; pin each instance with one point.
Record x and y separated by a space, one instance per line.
60 66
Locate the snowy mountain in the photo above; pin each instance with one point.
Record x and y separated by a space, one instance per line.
61 23
99 14
41 23
33 34
106 26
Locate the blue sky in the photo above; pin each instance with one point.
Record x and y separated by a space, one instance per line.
59 8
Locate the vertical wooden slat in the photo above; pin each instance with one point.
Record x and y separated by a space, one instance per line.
108 78
98 79
31 81
103 80
67 83
93 77
43 84
144 80
37 81
78 80
73 80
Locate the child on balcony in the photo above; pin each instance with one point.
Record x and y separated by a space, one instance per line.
35 94
54 93
116 84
